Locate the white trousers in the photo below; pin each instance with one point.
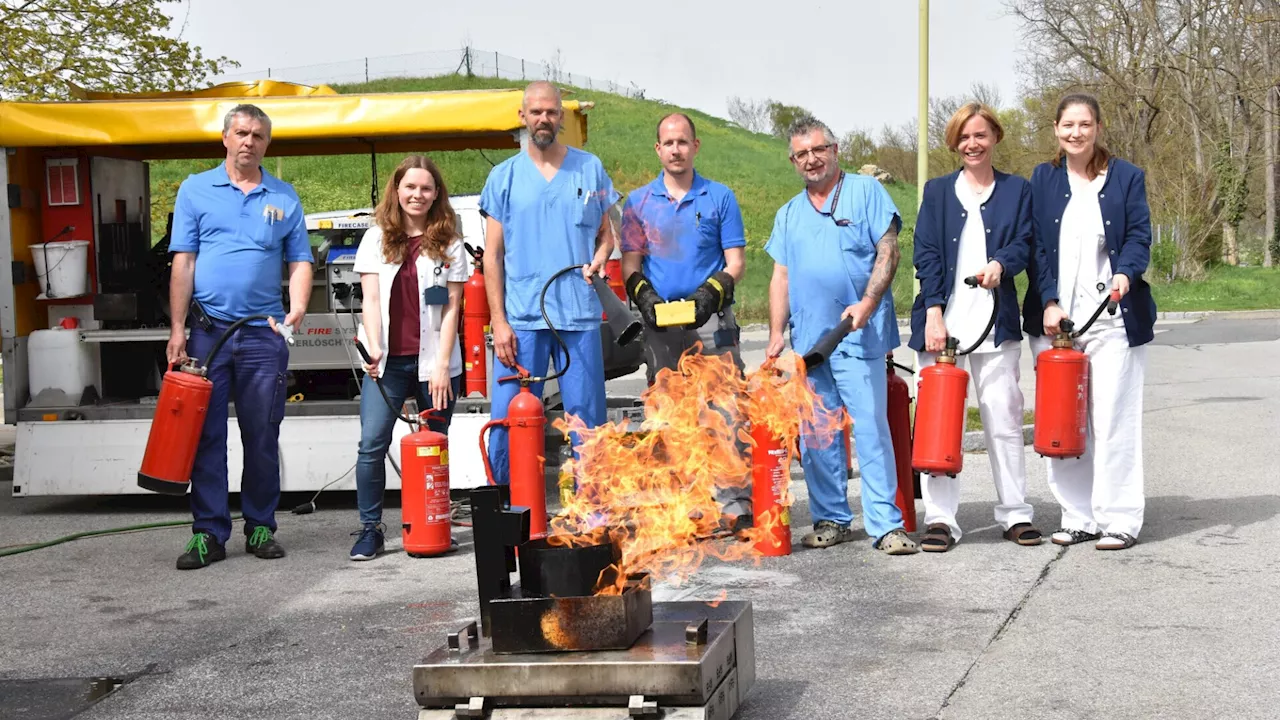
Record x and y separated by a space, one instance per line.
1102 490
995 375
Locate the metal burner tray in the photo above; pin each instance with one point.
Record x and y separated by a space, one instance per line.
695 661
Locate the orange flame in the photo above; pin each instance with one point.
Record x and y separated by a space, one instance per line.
655 488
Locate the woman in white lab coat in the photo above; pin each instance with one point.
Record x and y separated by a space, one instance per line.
412 267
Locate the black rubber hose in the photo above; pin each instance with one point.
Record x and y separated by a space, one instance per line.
213 351
1108 304
377 381
543 303
972 281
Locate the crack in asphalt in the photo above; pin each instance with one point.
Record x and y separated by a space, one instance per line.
1000 631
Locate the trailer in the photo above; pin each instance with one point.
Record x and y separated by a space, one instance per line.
84 306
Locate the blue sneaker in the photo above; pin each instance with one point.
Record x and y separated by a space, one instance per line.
370 543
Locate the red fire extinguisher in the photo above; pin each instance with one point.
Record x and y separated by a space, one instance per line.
179 419
900 431
526 451
425 511
770 474
1062 389
526 421
475 328
937 444
424 491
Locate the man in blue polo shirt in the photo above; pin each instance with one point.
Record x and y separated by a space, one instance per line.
682 239
835 251
234 227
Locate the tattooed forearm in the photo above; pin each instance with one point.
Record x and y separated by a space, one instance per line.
886 266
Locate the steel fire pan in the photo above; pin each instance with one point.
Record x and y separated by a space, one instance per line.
696 660
575 623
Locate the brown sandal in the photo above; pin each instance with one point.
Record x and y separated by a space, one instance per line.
937 538
1027 535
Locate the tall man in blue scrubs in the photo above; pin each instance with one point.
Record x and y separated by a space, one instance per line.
835 249
234 227
546 208
682 239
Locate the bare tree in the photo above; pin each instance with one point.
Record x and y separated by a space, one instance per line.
751 115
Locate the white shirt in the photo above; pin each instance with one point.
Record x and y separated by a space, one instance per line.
969 309
369 259
1082 254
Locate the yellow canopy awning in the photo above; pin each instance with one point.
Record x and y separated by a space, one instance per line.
312 124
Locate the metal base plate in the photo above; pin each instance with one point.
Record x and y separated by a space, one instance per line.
700 678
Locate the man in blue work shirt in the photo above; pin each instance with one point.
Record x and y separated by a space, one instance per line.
234 227
835 249
546 208
682 239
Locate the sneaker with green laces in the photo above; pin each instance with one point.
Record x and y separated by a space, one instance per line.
201 551
262 544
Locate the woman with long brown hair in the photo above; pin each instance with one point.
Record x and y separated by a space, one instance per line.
1093 241
412 268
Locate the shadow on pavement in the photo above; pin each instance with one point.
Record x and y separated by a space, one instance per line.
1171 516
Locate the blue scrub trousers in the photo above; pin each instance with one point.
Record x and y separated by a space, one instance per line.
251 368
582 387
377 424
861 386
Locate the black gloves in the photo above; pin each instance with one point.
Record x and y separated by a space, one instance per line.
644 296
713 296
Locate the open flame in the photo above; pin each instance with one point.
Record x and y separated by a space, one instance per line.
655 488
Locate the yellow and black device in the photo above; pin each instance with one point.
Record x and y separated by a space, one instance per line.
675 313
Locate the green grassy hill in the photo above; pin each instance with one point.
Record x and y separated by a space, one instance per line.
621 134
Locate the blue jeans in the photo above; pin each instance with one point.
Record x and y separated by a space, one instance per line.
377 422
861 386
252 368
582 387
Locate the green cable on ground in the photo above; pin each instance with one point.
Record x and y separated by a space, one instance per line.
93 533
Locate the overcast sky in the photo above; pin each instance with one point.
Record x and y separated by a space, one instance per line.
853 63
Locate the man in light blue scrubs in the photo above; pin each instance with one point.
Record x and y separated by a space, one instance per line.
546 208
682 239
835 248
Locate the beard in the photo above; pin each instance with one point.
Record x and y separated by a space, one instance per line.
543 136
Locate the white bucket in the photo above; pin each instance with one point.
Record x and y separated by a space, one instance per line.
68 263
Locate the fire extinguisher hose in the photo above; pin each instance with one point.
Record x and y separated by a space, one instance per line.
560 371
972 281
213 351
1109 303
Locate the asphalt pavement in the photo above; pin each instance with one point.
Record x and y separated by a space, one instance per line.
1182 625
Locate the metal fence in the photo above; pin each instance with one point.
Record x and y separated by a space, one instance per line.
464 61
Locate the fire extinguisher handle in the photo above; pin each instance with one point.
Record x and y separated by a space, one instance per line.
484 450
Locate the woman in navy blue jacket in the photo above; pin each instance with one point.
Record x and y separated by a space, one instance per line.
1092 239
976 222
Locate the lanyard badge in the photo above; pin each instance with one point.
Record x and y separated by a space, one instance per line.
435 294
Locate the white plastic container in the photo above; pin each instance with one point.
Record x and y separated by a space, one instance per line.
60 367
68 263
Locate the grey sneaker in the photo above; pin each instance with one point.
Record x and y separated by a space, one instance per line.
827 533
897 542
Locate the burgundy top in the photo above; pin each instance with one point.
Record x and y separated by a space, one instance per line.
405 324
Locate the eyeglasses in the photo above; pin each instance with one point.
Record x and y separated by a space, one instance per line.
803 155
